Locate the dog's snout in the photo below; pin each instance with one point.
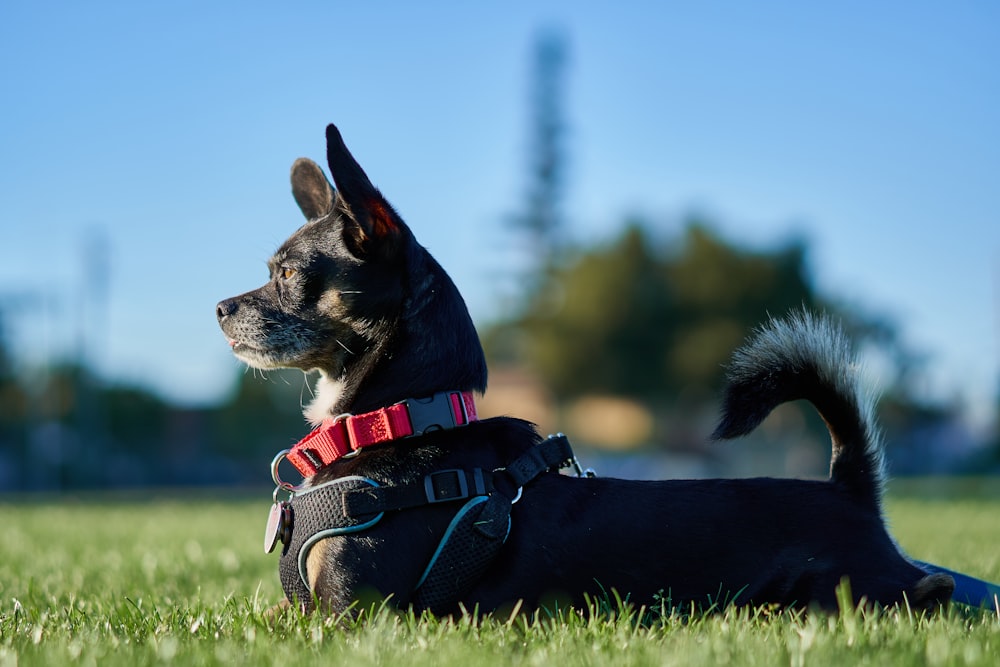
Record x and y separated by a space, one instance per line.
225 309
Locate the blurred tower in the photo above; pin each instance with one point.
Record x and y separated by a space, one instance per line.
91 341
542 218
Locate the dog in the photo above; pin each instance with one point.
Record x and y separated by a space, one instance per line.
459 513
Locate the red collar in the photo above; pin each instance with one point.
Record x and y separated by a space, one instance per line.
338 437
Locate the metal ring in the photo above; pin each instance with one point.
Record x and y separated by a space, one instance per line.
281 484
344 416
520 489
274 496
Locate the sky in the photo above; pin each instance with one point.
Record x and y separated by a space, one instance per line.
146 147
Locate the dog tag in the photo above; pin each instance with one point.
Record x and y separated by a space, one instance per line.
277 526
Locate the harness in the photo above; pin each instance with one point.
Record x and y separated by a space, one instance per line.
354 504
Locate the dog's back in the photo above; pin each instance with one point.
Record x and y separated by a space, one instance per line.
735 540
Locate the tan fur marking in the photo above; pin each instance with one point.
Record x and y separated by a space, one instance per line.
330 303
315 563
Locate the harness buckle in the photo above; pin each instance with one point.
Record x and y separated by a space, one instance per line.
452 484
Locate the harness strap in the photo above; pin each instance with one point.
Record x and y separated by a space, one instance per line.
552 453
465 553
479 530
437 487
314 514
472 541
452 484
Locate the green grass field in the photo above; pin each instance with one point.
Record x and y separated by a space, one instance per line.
109 581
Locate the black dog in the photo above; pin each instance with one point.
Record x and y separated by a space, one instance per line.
443 510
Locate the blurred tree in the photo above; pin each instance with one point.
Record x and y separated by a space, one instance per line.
633 319
263 416
601 323
658 322
722 292
996 432
13 402
136 419
5 365
133 416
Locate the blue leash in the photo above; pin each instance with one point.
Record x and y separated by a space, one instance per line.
968 590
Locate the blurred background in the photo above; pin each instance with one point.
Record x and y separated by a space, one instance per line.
621 191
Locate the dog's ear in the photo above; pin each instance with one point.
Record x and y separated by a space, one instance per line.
312 192
373 226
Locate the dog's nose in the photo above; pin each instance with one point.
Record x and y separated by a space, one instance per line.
225 309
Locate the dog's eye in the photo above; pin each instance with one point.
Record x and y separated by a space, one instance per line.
287 273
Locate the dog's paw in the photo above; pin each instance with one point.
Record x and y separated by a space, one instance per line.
276 612
931 592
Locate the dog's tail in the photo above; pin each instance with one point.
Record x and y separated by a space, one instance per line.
808 357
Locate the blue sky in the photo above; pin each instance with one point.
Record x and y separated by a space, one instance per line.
167 130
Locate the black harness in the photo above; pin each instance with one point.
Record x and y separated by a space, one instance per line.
470 543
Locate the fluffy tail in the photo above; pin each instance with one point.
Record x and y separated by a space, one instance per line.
808 357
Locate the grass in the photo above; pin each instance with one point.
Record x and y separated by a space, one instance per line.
120 581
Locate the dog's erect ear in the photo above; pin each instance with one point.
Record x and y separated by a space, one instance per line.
312 192
377 227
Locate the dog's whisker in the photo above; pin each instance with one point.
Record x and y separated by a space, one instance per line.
347 349
306 387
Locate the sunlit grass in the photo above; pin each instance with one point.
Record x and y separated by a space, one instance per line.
109 582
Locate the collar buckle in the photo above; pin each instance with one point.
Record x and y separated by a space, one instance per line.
439 412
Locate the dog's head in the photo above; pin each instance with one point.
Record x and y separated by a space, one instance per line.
352 295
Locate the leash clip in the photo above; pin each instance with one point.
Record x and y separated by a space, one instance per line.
581 471
570 460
